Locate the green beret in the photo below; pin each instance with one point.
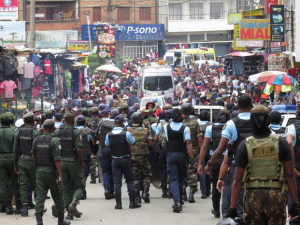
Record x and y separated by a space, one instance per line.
94 109
48 113
260 109
28 115
4 117
10 115
85 110
150 111
49 122
69 114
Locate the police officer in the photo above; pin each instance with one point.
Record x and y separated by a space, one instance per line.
7 174
46 153
24 166
87 142
179 143
211 140
85 113
275 127
261 160
118 140
104 128
234 131
57 118
292 137
139 152
72 164
164 118
196 137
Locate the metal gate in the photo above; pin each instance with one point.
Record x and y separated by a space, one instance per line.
140 50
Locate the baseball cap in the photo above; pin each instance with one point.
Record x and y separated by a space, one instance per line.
115 111
119 119
80 118
101 106
58 116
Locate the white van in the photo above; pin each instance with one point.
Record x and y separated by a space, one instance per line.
156 80
171 56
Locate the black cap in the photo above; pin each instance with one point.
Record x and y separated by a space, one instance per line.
275 117
244 102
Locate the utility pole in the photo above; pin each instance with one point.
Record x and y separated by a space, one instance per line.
89 31
108 11
32 23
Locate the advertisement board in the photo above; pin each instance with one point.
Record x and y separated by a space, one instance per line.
9 10
254 12
269 3
106 42
237 45
234 18
79 46
255 29
12 32
277 23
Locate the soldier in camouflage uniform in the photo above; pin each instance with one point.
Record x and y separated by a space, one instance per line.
124 109
139 152
196 137
93 124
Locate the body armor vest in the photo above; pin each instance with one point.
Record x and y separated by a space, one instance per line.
66 136
44 151
264 169
175 143
297 146
25 141
86 146
162 133
140 135
203 128
216 133
106 127
118 144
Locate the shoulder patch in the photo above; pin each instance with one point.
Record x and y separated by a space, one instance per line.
224 127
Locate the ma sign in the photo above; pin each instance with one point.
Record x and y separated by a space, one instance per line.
254 29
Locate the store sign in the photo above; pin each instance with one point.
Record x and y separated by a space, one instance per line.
12 32
255 29
129 32
277 23
53 38
237 45
254 12
276 49
234 18
106 42
79 46
9 10
269 3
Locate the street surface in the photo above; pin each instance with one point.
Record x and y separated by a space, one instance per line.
98 211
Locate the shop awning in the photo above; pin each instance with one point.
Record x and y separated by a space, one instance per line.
78 65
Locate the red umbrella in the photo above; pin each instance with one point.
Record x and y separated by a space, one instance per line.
267 75
281 79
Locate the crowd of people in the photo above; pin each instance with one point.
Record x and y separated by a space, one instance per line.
105 130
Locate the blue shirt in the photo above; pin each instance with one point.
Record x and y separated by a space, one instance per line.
291 130
208 133
158 128
89 136
203 122
176 126
229 131
198 120
117 130
154 126
57 124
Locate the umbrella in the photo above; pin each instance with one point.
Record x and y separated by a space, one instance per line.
264 76
281 79
109 68
241 54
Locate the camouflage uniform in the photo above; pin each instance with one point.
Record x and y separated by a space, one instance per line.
139 152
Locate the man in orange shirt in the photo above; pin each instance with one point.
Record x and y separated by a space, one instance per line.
179 71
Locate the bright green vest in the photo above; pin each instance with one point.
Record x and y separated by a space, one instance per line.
264 169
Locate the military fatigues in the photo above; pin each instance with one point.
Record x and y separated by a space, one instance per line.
7 173
72 175
264 200
139 153
23 160
47 150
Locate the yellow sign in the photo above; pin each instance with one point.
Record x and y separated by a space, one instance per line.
254 12
234 18
79 46
255 30
236 38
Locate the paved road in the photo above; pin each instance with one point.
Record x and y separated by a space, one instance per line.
96 210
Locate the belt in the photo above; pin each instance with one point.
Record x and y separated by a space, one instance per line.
263 184
121 157
46 167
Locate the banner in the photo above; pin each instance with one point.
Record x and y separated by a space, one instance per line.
269 3
237 45
106 42
277 23
12 32
79 46
276 49
254 12
9 10
234 18
255 29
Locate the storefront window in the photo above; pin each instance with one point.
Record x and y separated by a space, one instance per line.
158 83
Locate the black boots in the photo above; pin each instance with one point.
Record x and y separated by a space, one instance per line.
72 208
9 210
39 220
2 208
146 195
107 194
191 195
24 210
18 209
54 212
133 204
93 179
164 195
118 203
138 198
69 215
61 220
31 205
184 194
177 207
